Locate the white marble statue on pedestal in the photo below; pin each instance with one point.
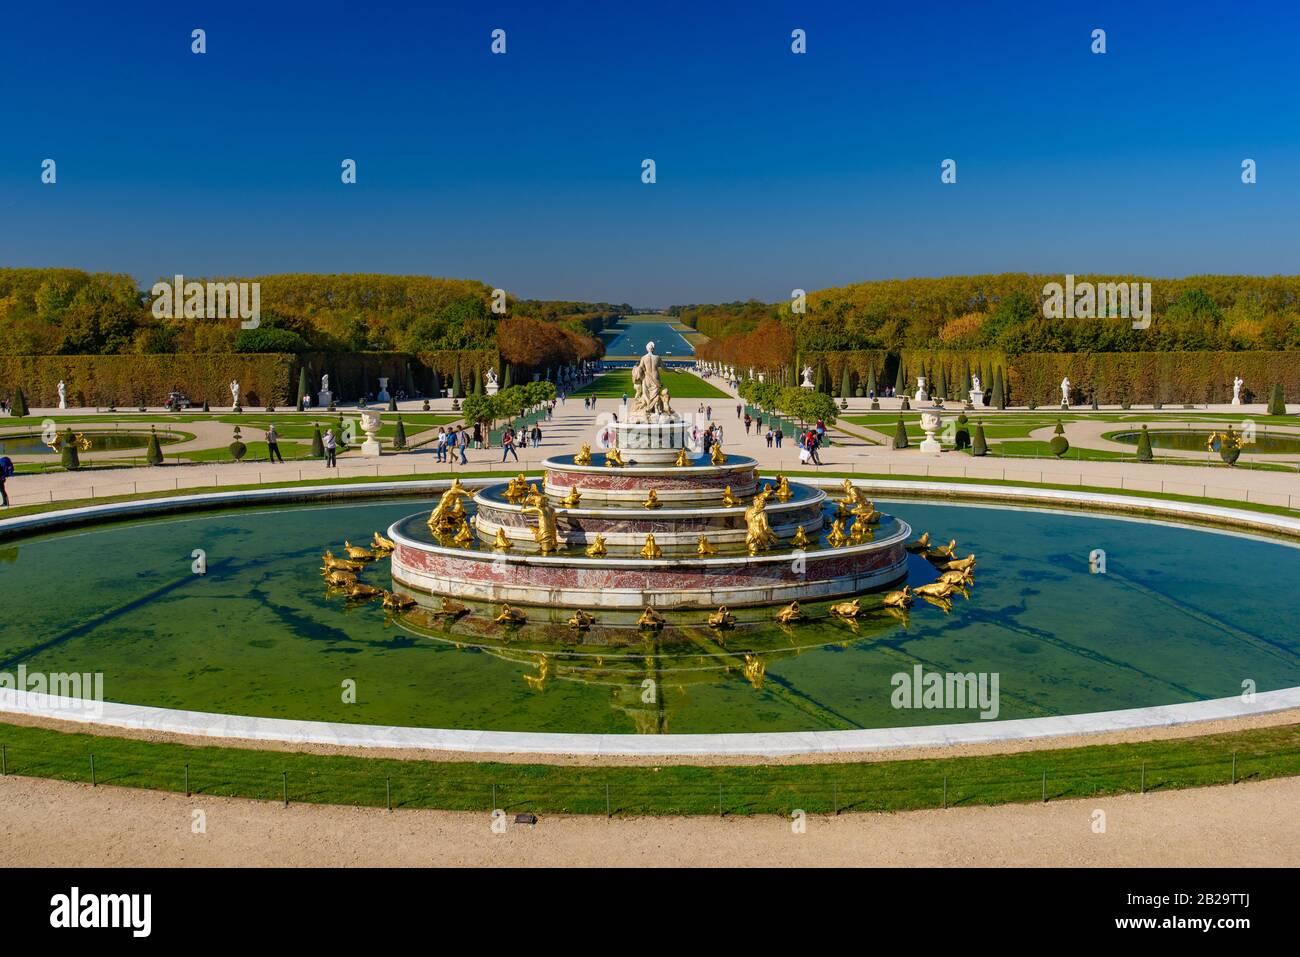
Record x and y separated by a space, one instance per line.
807 382
326 396
1065 392
921 394
490 382
1237 383
383 395
976 391
63 395
650 398
234 393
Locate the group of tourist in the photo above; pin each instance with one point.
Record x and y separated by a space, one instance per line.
456 440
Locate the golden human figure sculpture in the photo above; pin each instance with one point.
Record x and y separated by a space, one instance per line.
652 500
650 549
546 532
866 512
851 495
584 455
597 548
728 499
449 507
614 457
704 548
837 538
502 542
716 455
860 532
682 459
783 493
517 489
573 499
759 535
800 539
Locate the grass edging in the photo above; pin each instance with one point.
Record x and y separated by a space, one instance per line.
909 784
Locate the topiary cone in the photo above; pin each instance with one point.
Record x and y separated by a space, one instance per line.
317 444
900 434
399 437
1276 404
155 455
1144 446
18 408
981 445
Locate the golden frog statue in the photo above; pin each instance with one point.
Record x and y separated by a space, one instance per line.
729 499
682 459
510 616
847 609
898 599
783 493
721 618
464 537
851 495
920 546
652 500
394 601
759 535
650 619
716 455
449 508
614 457
357 553
573 499
704 548
860 532
650 549
597 548
502 541
790 613
800 539
580 619
546 533
584 455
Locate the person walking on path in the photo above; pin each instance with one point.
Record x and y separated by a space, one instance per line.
748 422
537 435
331 450
462 442
6 470
273 446
768 436
778 435
738 408
478 435
508 444
708 412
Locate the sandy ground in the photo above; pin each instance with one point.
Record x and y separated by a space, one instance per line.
50 823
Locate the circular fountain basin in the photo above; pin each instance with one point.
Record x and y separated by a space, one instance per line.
700 483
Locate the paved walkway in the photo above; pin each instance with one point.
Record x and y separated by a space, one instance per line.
572 425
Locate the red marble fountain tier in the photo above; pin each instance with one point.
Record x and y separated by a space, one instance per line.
688 485
629 583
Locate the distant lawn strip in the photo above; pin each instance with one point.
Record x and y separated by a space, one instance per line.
284 419
398 480
680 385
739 790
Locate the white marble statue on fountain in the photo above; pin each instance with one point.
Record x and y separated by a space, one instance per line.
1237 383
650 403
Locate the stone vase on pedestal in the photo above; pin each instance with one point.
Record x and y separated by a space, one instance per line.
383 395
930 425
370 424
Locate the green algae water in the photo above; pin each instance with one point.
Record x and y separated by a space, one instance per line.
1179 614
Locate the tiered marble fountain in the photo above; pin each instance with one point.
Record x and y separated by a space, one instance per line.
648 524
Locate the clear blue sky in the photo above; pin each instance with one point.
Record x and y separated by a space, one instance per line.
774 170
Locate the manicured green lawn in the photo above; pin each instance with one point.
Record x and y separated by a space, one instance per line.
668 790
680 385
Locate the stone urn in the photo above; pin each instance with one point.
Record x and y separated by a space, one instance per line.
370 424
930 422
